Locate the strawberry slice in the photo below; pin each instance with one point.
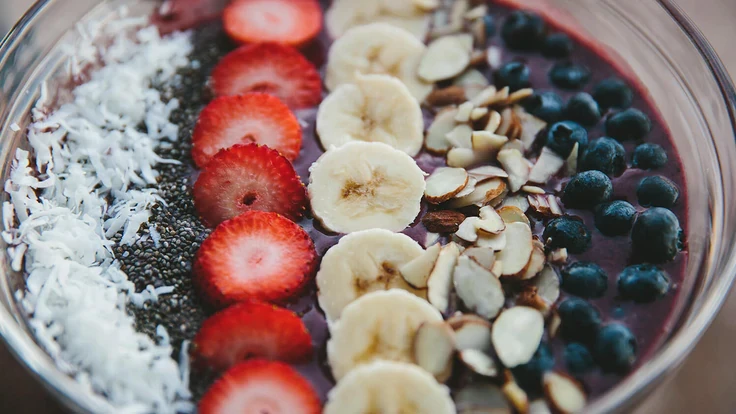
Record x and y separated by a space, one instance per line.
242 119
270 68
289 22
259 386
257 255
246 178
252 330
175 15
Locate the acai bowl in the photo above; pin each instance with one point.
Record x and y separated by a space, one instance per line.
692 295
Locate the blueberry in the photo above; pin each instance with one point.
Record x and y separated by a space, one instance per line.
613 93
578 359
649 157
615 218
557 45
583 109
605 155
569 75
567 232
580 320
523 30
562 137
631 124
529 375
587 189
489 23
515 75
656 235
615 348
643 283
584 279
546 106
657 191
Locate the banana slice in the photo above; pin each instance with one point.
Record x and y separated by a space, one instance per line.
376 108
365 185
377 48
377 326
346 14
363 262
390 388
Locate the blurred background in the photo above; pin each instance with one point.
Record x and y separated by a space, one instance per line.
705 384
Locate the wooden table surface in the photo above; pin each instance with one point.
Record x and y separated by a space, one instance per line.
706 382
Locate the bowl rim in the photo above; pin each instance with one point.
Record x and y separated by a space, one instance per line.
672 353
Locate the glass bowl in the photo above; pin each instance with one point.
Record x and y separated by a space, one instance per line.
654 41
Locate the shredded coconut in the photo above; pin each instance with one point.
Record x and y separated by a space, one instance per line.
82 183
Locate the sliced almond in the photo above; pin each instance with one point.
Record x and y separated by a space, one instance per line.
494 55
536 262
554 205
487 142
458 11
547 283
553 326
478 113
519 201
478 288
564 394
558 256
490 222
445 57
506 120
498 265
477 57
479 362
531 126
572 160
471 77
416 272
529 297
460 136
468 229
484 192
515 394
500 99
464 111
516 335
477 12
440 280
487 172
445 183
532 189
434 349
443 221
494 121
461 157
451 95
444 122
483 256
513 214
519 95
471 332
547 165
539 407
518 250
469 188
545 205
481 398
484 96
431 239
427 5
496 201
496 242
516 166
513 144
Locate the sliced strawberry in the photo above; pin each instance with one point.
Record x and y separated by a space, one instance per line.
255 256
259 386
242 119
247 178
270 68
289 22
252 330
175 15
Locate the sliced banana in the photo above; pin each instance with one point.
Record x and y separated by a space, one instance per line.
376 108
365 185
389 388
377 48
363 262
346 14
380 325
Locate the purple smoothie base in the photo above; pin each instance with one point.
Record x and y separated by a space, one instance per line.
651 323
